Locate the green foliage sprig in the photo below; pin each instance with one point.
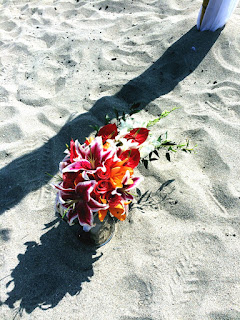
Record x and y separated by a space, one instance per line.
164 143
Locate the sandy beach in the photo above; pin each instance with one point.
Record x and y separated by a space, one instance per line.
64 65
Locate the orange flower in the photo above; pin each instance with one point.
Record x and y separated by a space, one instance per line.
118 172
102 214
116 205
118 211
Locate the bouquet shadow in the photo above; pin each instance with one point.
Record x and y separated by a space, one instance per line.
160 78
46 272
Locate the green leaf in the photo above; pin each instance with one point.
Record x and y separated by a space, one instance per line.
64 213
95 127
153 122
165 113
50 175
185 147
168 143
181 145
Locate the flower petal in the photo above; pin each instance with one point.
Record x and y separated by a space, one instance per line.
114 200
102 214
109 131
61 188
84 213
135 183
95 205
118 212
126 177
133 156
127 196
80 150
94 152
84 189
78 165
137 134
73 153
71 215
68 179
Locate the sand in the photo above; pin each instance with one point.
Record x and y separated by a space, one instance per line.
64 66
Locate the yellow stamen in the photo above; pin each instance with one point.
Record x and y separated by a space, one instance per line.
106 145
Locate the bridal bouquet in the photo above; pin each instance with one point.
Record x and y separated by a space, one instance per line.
97 176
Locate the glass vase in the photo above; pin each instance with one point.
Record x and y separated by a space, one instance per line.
100 234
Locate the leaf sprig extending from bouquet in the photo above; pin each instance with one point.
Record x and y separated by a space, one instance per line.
164 114
170 146
163 143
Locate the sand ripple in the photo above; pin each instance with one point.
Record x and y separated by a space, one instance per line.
63 66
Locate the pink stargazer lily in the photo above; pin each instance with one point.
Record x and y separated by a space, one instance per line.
86 157
96 154
128 184
79 203
78 165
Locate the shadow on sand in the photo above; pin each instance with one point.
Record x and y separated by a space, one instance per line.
38 278
174 65
46 272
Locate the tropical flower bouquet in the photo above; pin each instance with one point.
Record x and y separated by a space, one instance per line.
97 177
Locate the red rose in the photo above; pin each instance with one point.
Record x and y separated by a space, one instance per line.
102 186
103 174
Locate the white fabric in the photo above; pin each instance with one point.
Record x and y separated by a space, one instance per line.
216 14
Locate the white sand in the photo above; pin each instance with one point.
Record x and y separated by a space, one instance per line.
64 65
